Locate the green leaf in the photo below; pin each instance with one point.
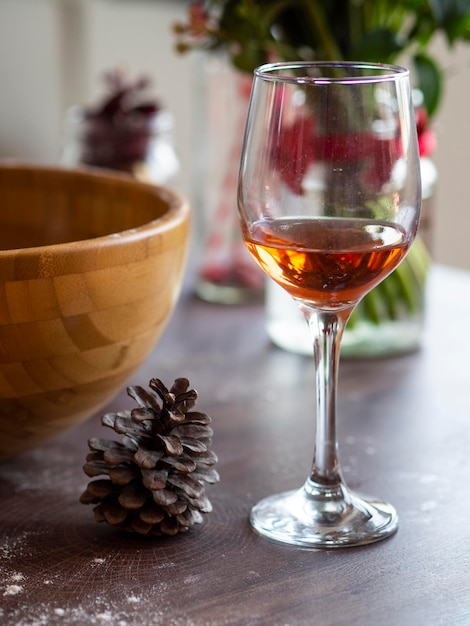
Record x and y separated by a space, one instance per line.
429 79
380 45
249 57
452 16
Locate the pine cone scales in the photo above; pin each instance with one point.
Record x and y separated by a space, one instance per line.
156 474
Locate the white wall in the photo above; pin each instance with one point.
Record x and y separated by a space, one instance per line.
53 52
452 158
30 99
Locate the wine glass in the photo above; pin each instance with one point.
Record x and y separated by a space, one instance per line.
329 199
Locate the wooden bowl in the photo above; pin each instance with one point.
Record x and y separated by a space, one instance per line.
91 264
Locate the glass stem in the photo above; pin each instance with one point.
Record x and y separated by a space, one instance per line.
326 328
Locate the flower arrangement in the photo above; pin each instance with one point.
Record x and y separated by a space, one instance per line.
116 131
257 31
253 32
127 130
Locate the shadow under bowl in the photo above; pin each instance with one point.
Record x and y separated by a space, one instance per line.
91 265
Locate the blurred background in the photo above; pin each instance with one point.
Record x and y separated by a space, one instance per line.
53 54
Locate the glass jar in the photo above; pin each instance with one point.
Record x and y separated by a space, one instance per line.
143 148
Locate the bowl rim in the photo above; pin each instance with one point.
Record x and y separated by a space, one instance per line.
177 214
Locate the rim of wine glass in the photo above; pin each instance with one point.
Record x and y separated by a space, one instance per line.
389 72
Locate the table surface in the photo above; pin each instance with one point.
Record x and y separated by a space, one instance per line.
403 435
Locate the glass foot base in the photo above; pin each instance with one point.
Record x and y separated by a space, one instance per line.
335 520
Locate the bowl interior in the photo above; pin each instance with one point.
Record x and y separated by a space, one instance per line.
42 207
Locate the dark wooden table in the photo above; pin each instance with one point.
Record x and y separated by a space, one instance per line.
404 432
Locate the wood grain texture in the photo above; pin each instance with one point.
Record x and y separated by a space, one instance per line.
403 435
91 264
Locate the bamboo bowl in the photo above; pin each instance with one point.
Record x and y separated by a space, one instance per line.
91 265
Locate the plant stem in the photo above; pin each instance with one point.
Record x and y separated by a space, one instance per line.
315 14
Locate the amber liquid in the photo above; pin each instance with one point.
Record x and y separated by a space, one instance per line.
330 262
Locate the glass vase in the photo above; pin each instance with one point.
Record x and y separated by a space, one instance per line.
389 320
226 273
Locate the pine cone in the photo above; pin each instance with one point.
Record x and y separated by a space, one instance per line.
156 476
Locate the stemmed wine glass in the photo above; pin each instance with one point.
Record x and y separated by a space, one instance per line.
329 200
